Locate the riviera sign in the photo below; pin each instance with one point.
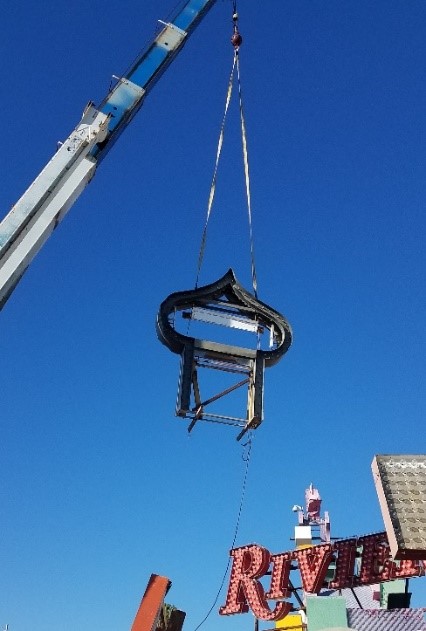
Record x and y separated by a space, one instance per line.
352 562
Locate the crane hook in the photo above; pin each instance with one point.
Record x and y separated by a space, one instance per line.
236 39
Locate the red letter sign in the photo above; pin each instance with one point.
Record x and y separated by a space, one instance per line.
250 563
345 562
313 566
279 577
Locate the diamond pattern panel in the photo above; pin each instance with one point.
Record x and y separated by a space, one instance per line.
387 620
401 487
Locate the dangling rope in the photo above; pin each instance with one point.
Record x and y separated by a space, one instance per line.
236 41
246 457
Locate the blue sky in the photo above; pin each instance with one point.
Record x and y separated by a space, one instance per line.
100 483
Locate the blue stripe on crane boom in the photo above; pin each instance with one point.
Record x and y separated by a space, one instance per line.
127 96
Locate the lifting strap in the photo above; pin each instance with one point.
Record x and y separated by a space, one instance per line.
247 177
216 166
235 64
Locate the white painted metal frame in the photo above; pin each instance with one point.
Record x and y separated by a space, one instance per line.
45 203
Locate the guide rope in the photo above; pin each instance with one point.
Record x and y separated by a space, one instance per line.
236 41
246 457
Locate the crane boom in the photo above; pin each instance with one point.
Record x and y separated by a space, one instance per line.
44 204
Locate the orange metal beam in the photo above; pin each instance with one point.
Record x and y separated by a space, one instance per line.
151 603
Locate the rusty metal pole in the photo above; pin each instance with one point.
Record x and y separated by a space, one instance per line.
151 603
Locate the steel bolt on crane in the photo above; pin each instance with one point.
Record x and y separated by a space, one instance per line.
44 204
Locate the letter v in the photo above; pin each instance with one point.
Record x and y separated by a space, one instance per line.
313 565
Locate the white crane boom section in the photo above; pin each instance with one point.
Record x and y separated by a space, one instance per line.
44 204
